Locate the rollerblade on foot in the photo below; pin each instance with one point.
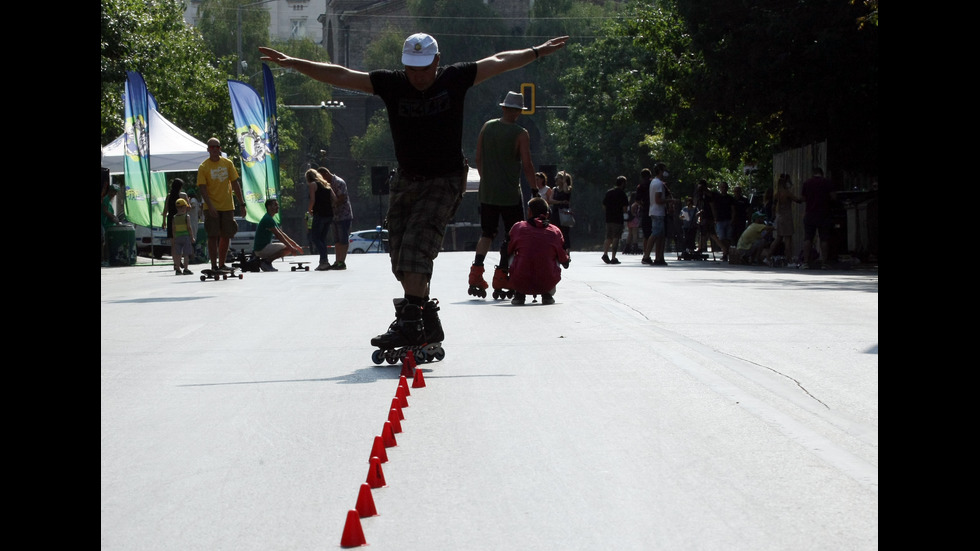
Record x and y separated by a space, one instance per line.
405 333
501 284
478 285
432 350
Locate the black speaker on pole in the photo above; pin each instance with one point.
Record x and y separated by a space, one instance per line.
379 180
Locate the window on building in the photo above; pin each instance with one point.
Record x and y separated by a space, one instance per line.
297 28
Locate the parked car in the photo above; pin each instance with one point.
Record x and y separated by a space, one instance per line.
245 237
366 241
152 242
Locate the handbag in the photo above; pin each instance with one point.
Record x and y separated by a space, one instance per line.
566 217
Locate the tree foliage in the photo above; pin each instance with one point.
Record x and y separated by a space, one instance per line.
710 86
150 37
221 22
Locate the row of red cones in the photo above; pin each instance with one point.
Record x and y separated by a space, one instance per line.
353 535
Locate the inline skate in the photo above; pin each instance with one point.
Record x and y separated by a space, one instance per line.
478 285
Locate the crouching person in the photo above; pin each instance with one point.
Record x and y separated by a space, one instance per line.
537 253
265 249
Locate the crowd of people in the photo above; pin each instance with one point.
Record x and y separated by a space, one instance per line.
716 222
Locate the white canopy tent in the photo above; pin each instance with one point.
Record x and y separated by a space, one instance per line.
171 149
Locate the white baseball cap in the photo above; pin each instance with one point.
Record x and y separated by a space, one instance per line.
420 50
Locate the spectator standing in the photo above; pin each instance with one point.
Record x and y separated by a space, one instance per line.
658 213
704 197
689 227
183 240
723 210
783 201
322 200
561 198
632 227
170 210
343 217
615 204
817 193
503 152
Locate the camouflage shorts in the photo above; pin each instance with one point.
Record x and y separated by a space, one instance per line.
418 212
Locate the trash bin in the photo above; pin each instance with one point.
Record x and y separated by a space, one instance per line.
200 247
121 244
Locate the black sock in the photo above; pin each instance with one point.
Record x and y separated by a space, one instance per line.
478 260
412 299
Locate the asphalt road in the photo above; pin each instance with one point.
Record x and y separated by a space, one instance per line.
694 406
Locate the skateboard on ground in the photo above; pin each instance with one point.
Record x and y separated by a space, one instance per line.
299 265
208 273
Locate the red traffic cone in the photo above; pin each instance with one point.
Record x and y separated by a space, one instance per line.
376 477
396 425
402 397
403 382
397 404
388 435
365 503
353 534
407 367
419 380
378 450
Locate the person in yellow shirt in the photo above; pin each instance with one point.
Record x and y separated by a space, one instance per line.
219 183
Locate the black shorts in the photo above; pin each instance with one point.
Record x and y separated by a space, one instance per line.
490 215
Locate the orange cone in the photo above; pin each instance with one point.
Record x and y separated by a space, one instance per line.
376 477
365 503
388 435
419 380
403 382
397 404
378 450
353 534
396 425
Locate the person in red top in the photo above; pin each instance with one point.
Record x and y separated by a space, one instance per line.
536 249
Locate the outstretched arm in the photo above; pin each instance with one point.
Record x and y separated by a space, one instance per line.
286 240
514 59
336 75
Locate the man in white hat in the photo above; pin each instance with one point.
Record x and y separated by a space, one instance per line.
503 150
425 114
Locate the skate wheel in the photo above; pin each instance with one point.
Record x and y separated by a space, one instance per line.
377 357
421 356
392 360
439 354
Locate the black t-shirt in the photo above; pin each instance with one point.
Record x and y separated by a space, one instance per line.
723 207
643 196
614 201
427 126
